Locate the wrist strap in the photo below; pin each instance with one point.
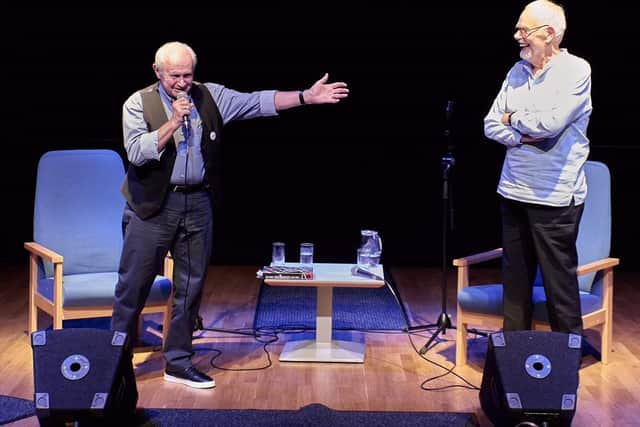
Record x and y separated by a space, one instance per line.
301 98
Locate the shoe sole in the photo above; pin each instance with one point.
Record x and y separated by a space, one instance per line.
172 379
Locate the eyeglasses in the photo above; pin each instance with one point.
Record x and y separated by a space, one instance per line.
177 77
526 33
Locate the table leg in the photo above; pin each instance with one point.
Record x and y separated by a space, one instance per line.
324 348
324 315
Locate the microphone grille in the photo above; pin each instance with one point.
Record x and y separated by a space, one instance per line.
181 94
449 106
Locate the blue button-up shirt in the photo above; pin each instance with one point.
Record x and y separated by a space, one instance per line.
142 145
554 105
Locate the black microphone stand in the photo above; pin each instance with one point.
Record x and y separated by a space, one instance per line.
447 162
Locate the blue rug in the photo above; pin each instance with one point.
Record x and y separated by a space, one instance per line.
353 308
12 409
314 415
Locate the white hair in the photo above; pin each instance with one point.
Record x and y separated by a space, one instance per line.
549 13
168 50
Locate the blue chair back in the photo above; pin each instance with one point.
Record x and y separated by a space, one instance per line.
78 208
594 236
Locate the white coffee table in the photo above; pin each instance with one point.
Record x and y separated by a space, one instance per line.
324 348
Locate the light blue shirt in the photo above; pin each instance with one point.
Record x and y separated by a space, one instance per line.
554 105
142 145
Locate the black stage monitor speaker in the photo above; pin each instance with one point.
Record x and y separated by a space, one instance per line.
82 375
530 378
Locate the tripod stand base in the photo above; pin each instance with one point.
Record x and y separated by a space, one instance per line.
444 323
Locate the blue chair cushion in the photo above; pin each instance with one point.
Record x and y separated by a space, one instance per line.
487 299
588 304
97 289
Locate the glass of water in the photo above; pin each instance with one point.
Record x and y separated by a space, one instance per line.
306 254
277 254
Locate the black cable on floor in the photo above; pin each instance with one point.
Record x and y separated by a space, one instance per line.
410 330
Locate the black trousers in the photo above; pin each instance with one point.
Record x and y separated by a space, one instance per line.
536 235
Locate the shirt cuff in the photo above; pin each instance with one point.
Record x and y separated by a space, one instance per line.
512 139
268 103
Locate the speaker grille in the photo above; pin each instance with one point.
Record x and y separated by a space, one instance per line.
531 376
82 373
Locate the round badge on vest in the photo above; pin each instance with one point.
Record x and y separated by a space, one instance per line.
212 136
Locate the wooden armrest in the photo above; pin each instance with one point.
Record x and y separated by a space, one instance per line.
597 265
464 263
41 251
478 258
167 270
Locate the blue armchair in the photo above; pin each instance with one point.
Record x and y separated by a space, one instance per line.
481 305
77 231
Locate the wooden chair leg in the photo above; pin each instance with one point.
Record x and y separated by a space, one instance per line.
33 288
57 321
461 344
33 315
607 326
33 318
166 319
605 344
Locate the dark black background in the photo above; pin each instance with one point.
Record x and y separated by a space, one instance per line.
319 173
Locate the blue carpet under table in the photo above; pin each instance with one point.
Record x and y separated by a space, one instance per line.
353 308
12 409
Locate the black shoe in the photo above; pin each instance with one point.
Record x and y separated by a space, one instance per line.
188 376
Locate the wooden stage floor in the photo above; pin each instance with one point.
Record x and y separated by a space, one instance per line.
389 380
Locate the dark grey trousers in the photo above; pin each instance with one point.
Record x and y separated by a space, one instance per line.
183 226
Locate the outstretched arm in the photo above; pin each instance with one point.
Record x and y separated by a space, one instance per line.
320 93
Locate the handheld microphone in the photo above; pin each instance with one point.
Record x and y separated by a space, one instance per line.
449 109
361 271
186 120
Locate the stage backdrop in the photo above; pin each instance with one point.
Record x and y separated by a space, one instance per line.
319 173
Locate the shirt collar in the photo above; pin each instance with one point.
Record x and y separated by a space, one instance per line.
164 95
